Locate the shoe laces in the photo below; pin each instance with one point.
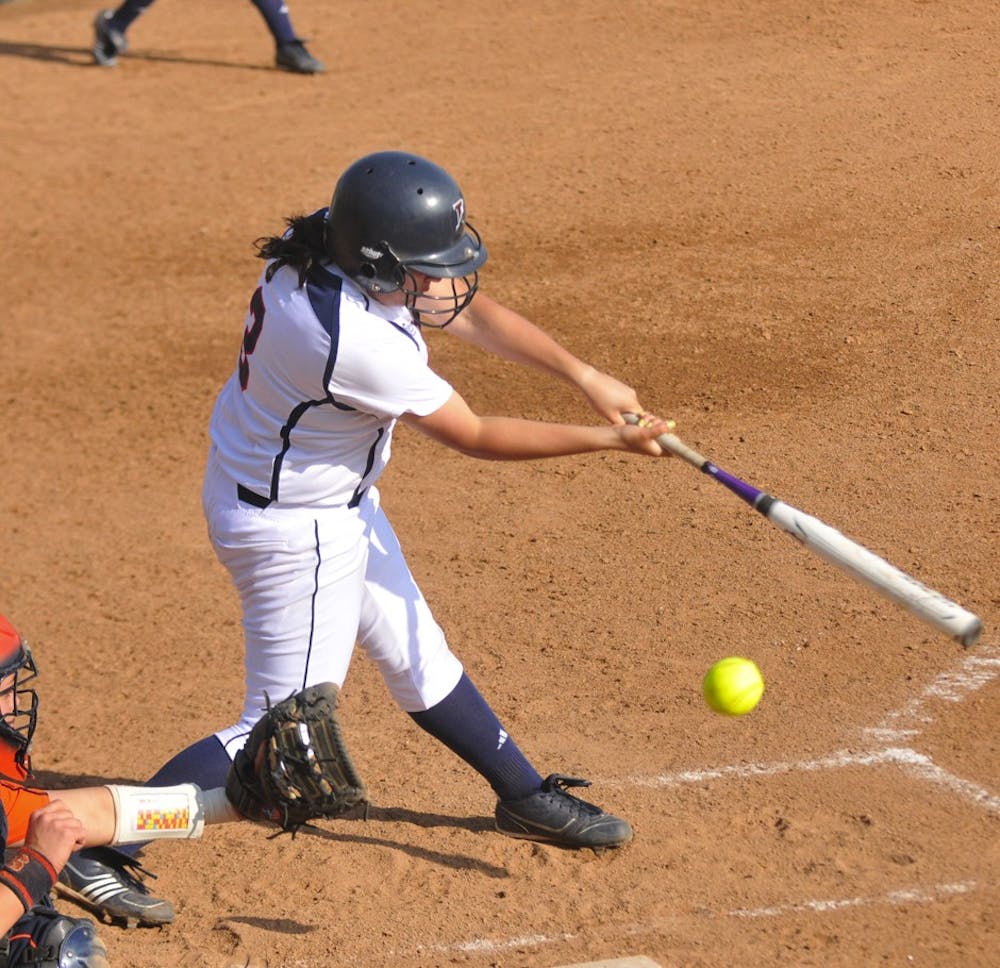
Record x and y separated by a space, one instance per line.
127 868
560 784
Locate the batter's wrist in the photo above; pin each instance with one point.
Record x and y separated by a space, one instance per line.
582 374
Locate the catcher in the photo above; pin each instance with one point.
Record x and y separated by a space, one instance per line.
293 769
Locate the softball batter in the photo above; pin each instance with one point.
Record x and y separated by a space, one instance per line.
332 356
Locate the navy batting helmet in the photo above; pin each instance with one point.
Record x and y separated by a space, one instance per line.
393 214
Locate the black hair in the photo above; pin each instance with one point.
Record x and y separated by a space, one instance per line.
300 248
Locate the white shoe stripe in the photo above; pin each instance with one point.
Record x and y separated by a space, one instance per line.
102 896
103 888
103 881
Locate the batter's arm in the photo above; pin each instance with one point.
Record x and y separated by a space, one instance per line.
512 438
495 328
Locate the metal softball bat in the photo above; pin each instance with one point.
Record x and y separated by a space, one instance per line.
841 551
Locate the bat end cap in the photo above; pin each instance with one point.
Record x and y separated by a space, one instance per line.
971 635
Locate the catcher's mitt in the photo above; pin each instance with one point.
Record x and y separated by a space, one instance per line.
295 767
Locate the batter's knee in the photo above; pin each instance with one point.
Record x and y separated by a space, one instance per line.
417 689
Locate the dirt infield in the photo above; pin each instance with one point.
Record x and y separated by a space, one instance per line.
779 222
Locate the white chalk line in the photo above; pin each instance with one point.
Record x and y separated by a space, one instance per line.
974 672
746 770
924 767
917 764
953 686
487 946
912 895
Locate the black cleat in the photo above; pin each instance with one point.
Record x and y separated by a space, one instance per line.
108 42
553 816
101 879
294 57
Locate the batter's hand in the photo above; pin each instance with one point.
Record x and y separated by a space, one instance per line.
641 437
55 832
608 396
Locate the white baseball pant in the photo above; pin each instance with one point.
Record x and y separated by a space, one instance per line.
313 582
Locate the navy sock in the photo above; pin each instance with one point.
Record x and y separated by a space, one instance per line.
205 763
468 727
275 13
122 18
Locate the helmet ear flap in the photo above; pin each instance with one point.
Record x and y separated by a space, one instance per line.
380 271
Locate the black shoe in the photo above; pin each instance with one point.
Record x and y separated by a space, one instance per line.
553 816
101 879
294 57
108 42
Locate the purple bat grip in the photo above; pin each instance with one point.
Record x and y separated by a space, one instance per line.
751 495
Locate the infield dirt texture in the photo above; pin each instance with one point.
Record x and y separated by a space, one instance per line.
779 221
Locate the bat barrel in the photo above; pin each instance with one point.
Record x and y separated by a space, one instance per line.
926 603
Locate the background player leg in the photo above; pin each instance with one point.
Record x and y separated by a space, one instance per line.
110 40
109 31
290 50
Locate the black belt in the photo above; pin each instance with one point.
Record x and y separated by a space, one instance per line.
250 497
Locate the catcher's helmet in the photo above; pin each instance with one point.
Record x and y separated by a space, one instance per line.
19 714
393 214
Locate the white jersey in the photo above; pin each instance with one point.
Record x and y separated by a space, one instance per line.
323 374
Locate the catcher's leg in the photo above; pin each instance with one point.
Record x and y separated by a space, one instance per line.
45 937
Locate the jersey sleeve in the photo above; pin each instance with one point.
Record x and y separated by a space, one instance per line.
388 381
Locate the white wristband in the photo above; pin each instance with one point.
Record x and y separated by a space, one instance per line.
176 813
153 813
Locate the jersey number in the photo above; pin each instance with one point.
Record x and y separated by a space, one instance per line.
251 335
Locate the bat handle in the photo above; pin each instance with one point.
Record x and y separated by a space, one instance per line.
674 444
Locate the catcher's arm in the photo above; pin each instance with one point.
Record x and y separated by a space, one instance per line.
295 767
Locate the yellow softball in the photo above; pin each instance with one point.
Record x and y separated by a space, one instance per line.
733 686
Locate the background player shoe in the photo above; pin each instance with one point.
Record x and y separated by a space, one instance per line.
294 57
102 879
108 42
554 816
